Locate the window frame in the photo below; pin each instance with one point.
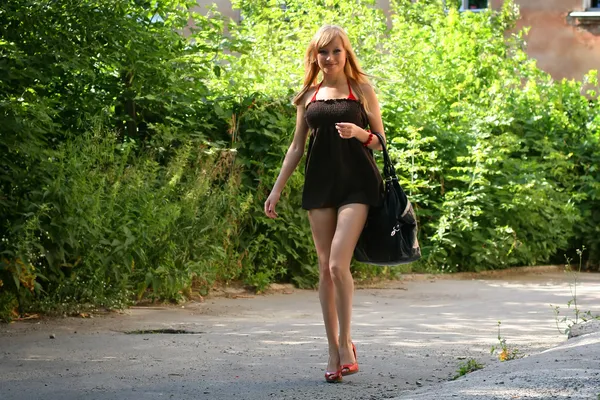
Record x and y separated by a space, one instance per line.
465 7
588 5
589 16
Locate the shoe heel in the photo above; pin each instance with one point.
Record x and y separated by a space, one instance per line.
349 369
333 377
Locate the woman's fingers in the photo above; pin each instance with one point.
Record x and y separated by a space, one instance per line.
270 209
345 129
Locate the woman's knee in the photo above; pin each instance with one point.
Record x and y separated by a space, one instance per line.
324 270
337 270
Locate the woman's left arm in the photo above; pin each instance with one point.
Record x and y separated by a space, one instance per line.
374 114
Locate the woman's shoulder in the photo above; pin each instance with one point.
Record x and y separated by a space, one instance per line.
308 95
303 97
366 87
368 91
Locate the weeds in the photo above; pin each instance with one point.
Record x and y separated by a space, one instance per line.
578 314
505 353
467 367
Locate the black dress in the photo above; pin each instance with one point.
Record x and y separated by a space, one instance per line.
338 171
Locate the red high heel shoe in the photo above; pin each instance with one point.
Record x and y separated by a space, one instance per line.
349 369
333 377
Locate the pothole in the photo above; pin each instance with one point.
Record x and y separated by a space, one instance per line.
168 331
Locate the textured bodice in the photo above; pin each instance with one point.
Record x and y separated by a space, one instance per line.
325 113
338 171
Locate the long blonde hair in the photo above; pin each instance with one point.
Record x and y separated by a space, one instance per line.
325 35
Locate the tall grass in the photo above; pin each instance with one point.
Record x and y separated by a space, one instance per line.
111 226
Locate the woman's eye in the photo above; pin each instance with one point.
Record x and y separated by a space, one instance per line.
322 52
337 51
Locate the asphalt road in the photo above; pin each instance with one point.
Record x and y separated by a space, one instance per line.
411 334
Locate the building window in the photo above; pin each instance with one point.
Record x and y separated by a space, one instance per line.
474 5
592 5
588 17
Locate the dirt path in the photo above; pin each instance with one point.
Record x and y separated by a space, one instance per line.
408 335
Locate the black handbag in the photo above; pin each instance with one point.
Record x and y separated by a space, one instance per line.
389 236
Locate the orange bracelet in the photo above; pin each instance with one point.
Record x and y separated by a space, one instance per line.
366 144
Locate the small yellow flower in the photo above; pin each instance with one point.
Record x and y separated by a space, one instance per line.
504 355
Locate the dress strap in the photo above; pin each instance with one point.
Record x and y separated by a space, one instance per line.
351 95
316 91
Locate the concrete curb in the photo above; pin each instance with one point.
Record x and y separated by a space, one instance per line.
568 371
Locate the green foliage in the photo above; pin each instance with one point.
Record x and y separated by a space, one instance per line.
111 223
113 178
281 248
489 180
483 139
8 306
467 367
505 352
274 38
578 314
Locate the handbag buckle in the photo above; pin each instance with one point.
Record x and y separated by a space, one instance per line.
395 230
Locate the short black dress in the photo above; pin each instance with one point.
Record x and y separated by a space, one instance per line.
338 171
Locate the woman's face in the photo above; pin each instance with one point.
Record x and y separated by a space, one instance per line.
332 58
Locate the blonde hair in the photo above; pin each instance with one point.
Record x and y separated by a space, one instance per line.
325 35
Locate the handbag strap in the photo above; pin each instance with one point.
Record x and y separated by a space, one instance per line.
389 172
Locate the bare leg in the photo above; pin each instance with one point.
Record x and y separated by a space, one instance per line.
350 222
323 222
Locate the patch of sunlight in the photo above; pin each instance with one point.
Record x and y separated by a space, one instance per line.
532 287
286 342
428 306
388 333
392 329
584 341
514 393
415 344
443 327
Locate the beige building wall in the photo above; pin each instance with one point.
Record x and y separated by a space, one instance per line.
563 46
224 7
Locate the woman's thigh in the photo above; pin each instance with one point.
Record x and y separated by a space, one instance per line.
323 223
351 220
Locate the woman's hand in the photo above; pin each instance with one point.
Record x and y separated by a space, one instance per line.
270 204
349 130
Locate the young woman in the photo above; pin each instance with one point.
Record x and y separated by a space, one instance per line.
341 177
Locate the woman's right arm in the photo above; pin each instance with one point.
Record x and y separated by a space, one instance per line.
290 162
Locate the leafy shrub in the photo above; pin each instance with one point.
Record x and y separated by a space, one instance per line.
482 138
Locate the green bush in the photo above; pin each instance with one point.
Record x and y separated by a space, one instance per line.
112 224
113 176
483 139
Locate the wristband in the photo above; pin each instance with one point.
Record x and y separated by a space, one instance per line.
369 140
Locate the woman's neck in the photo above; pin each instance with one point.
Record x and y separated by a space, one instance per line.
335 81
